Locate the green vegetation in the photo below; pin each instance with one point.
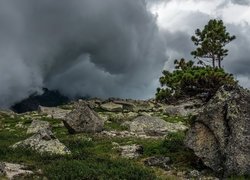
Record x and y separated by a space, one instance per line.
93 156
211 41
188 79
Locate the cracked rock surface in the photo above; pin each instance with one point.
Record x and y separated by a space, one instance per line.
220 136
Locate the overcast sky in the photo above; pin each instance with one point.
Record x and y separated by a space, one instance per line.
108 48
178 20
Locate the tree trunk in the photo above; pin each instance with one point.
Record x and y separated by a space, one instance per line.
213 62
219 63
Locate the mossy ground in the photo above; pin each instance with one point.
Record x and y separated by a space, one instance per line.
93 156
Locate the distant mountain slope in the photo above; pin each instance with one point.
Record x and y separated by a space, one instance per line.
48 98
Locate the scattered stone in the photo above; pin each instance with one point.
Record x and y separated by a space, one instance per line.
112 107
38 125
54 112
2 169
194 174
7 112
162 162
117 116
43 142
126 134
83 120
20 125
130 151
115 144
14 171
153 126
220 136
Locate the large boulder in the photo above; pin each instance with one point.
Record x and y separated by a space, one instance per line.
43 142
220 136
153 126
83 120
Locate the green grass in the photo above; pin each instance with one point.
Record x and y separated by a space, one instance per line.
90 159
114 125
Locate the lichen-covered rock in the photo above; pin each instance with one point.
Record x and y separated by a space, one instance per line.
154 126
130 151
112 107
14 171
220 136
43 142
83 120
38 125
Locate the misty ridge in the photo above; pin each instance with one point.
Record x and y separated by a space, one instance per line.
91 47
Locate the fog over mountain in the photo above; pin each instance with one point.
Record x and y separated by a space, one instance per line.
88 47
107 48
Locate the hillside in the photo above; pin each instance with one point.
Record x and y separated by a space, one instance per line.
112 139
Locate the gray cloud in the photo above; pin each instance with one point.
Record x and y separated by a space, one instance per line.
241 2
89 47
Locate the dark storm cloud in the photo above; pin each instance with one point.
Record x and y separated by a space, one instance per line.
82 47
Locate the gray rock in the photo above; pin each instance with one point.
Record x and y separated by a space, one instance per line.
130 151
194 174
83 120
14 171
54 112
153 126
220 136
126 105
43 142
112 107
2 169
162 162
189 107
38 125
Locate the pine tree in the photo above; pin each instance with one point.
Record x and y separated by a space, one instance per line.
211 41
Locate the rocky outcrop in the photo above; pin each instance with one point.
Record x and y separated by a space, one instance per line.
38 125
153 126
43 142
220 136
14 171
83 120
